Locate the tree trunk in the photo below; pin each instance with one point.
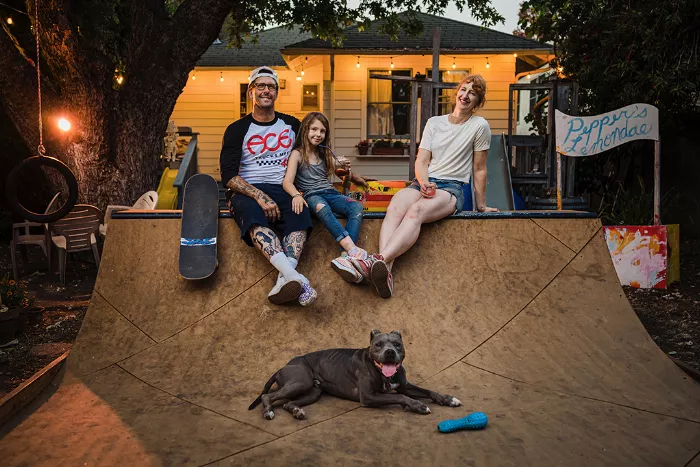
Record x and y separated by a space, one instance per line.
114 145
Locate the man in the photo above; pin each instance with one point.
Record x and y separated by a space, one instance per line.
253 163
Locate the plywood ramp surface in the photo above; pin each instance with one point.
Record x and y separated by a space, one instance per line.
523 319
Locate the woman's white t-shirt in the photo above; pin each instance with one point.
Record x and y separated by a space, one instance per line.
452 146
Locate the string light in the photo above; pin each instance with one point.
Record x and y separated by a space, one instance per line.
194 75
515 55
488 65
63 124
529 76
392 62
10 21
222 77
358 62
302 69
454 62
298 76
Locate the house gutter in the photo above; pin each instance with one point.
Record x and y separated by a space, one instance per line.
414 51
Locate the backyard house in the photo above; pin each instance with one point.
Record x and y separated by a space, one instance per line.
336 81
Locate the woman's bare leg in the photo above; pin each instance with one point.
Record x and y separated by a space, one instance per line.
423 211
400 204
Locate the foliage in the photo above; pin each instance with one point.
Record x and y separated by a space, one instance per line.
363 143
399 144
14 293
623 52
632 207
382 143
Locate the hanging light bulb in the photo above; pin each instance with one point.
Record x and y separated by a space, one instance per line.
298 76
302 69
488 65
10 21
222 77
454 62
529 76
249 75
63 124
358 62
194 75
515 54
392 62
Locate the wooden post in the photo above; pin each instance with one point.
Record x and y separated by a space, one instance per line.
559 201
657 181
413 122
436 55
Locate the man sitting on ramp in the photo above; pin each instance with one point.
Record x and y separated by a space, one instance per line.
253 163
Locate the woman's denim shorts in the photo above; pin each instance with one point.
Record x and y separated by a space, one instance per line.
453 187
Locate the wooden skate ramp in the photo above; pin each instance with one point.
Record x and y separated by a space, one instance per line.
523 319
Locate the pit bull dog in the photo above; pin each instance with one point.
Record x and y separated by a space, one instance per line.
373 376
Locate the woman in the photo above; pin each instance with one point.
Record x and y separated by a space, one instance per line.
452 145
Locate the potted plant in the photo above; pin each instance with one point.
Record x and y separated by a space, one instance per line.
388 147
363 147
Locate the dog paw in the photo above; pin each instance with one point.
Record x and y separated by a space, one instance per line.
268 414
453 401
299 414
421 409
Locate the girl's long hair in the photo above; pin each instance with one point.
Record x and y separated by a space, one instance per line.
304 146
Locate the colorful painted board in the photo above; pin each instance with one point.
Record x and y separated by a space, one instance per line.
642 255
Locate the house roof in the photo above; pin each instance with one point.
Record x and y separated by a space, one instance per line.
454 36
265 52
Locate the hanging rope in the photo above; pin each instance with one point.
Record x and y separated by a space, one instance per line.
41 149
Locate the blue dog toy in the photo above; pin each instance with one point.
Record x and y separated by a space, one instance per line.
473 421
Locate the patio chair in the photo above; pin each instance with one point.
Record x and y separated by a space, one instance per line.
21 235
76 232
147 201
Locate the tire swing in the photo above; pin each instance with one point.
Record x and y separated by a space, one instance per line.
40 160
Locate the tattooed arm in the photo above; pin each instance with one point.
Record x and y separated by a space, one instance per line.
237 184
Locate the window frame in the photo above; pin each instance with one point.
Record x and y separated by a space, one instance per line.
391 103
428 71
318 97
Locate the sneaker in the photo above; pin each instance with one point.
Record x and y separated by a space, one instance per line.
382 279
357 252
364 266
346 270
285 291
308 294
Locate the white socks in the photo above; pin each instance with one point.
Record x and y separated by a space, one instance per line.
286 266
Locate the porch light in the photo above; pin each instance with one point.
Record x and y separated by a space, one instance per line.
10 20
488 65
392 62
358 62
529 76
222 77
63 124
454 62
515 54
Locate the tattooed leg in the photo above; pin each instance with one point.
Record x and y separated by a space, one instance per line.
266 241
294 244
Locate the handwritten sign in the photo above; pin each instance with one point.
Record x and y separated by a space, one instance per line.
585 136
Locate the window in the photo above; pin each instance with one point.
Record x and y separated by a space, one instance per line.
445 99
309 97
388 105
245 105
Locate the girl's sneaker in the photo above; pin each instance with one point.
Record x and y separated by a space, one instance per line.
364 266
308 294
345 269
356 252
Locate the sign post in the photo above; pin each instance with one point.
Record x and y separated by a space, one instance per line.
586 136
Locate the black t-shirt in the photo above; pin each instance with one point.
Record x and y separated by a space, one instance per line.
258 151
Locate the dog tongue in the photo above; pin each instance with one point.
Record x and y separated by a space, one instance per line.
389 369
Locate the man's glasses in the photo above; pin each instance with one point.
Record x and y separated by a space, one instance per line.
262 86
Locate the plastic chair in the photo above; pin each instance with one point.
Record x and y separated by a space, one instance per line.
21 235
76 232
147 201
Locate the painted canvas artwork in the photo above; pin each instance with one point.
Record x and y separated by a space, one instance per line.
639 254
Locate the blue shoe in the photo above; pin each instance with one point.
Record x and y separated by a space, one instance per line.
473 421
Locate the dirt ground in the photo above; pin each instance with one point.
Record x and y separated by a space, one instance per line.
672 317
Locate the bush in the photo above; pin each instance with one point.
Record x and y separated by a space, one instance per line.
14 293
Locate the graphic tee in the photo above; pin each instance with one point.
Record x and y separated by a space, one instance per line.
258 151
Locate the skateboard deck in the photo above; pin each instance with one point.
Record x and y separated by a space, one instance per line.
200 222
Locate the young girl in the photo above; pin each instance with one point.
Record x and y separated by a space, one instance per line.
308 180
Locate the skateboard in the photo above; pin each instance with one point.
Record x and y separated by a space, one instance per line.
200 222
